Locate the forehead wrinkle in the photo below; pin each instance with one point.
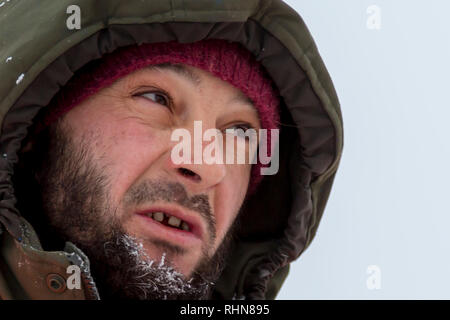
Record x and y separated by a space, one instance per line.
180 70
242 98
190 75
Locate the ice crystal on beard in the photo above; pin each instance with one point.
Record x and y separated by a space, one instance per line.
151 277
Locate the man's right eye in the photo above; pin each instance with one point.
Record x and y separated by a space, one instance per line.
157 97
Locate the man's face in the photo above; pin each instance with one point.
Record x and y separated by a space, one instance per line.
122 134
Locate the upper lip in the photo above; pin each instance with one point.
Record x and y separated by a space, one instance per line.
194 221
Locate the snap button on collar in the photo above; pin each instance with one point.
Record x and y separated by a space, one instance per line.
56 283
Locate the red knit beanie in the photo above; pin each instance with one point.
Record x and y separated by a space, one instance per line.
229 61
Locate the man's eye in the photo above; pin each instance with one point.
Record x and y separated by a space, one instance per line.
157 97
239 130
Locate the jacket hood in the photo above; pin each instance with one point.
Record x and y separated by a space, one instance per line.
39 54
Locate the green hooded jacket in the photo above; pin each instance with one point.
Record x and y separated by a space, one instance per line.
39 53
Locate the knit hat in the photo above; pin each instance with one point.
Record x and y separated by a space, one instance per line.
227 60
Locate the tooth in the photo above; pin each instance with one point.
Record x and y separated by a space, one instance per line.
158 216
174 221
184 226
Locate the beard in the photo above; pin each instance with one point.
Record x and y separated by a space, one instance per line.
78 208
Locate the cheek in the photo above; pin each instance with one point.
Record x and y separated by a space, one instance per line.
133 151
124 147
125 142
229 198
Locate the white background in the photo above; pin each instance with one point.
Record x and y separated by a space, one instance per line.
389 203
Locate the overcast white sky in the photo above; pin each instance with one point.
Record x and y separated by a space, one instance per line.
389 204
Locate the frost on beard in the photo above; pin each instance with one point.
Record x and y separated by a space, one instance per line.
157 280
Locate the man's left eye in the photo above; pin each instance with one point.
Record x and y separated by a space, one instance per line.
239 130
157 97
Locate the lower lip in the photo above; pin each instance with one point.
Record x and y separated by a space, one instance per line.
185 238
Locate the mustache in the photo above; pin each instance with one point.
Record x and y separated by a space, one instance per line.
172 192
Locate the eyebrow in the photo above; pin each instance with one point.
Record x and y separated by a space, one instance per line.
192 77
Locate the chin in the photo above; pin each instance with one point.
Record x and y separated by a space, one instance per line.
182 263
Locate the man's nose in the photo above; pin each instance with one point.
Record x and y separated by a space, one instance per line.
199 175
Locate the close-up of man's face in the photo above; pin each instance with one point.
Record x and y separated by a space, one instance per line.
111 177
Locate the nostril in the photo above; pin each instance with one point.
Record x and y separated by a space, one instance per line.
189 174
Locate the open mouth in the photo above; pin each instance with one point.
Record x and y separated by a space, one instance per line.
174 223
169 220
